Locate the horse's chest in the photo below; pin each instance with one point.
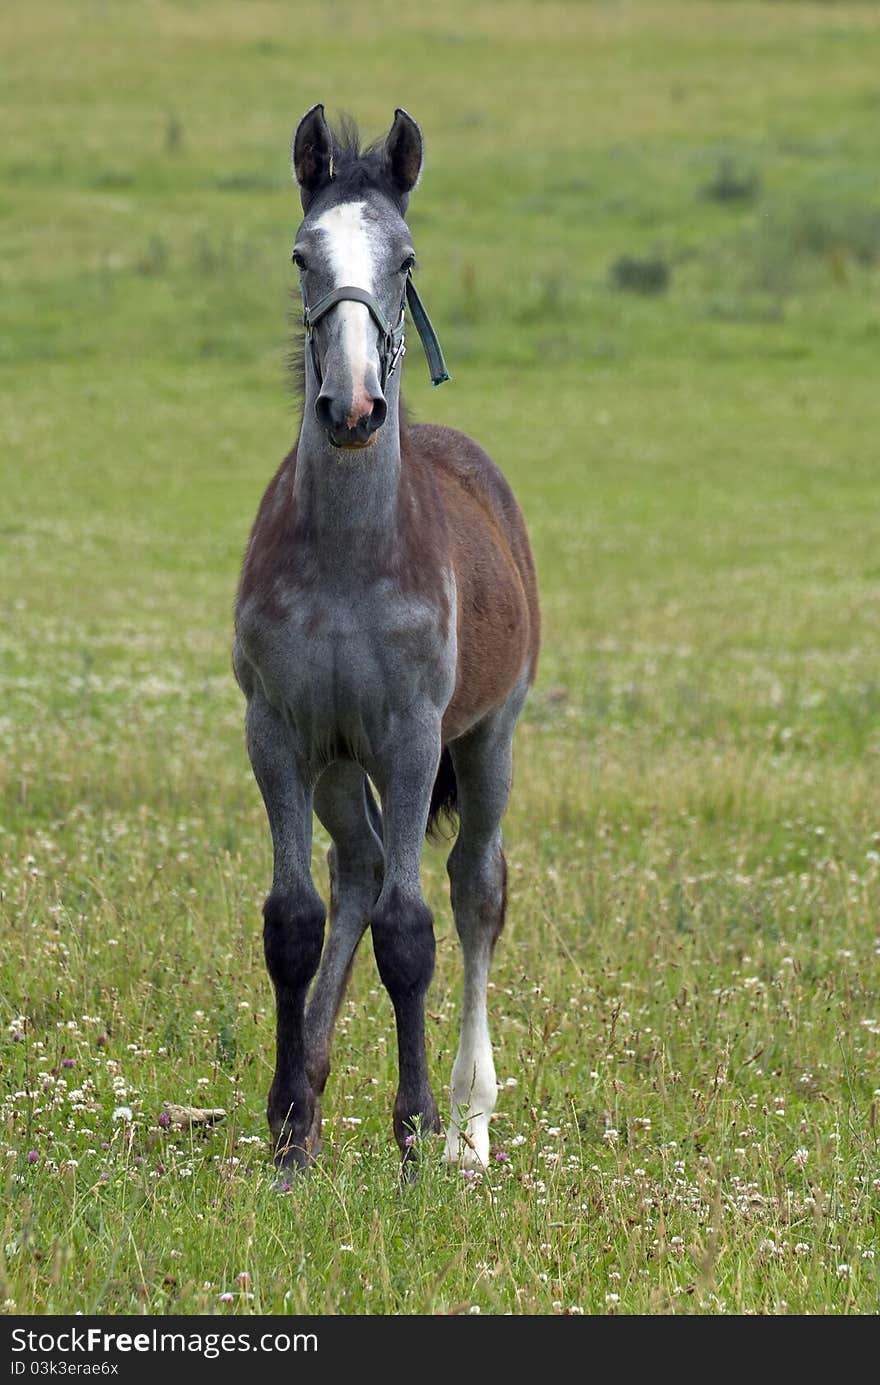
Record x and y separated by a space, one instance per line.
343 667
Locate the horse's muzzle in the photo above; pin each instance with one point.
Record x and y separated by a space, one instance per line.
347 425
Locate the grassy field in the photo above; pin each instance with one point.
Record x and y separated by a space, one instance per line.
650 240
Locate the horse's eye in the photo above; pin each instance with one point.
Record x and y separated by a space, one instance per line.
407 264
298 260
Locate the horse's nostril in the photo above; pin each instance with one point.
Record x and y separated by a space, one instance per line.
377 417
330 411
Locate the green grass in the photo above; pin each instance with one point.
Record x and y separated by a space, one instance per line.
686 1007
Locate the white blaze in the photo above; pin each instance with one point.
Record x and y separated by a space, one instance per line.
350 253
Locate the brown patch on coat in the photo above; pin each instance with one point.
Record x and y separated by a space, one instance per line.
271 547
498 620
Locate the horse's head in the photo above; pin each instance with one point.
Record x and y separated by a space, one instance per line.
354 254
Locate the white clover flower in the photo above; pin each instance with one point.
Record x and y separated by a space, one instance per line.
123 1113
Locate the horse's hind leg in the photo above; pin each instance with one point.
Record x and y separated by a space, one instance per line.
345 805
478 879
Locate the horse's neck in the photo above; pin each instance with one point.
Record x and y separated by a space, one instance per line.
347 501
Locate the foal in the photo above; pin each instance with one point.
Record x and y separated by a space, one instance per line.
386 626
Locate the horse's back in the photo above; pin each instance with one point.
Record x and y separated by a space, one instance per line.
497 594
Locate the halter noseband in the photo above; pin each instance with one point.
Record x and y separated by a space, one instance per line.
392 346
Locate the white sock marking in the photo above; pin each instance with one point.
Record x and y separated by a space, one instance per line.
474 1088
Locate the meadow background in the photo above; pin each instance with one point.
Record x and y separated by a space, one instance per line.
649 235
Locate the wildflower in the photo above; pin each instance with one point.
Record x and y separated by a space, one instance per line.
800 1157
844 1271
33 1156
410 1141
68 1062
501 1157
243 1279
610 1299
227 1298
164 1120
123 1113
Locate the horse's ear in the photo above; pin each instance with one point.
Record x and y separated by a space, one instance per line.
403 152
312 153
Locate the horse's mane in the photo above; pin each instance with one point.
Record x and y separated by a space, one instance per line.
357 170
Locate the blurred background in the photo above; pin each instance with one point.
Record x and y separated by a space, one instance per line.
648 234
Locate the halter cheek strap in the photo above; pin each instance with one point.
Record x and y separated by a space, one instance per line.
392 346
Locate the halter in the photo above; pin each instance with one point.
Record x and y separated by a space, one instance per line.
392 346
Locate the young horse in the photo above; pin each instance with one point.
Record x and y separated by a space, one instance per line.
386 626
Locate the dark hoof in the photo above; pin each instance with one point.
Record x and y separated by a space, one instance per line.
292 1156
412 1139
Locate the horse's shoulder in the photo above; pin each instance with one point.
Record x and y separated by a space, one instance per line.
270 537
454 454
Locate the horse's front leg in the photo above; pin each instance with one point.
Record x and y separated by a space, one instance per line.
293 928
401 922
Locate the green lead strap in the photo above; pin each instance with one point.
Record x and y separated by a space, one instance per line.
433 350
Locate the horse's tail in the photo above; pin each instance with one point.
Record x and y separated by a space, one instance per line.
443 812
